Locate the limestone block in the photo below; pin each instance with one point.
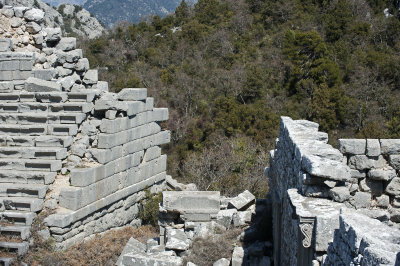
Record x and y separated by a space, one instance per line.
33 27
372 186
225 217
5 45
361 200
38 39
131 94
9 65
328 169
66 44
382 174
6 75
6 86
362 162
339 194
45 74
15 22
192 201
238 257
383 201
149 103
39 85
91 77
242 201
19 11
242 218
34 14
352 146
222 262
52 34
160 114
133 246
82 65
102 86
177 240
67 83
8 12
393 188
356 174
143 259
152 153
73 56
390 146
373 147
394 161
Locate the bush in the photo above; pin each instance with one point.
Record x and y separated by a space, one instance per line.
149 209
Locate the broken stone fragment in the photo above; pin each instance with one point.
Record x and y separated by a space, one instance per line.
34 14
52 34
361 200
222 262
382 174
131 94
91 77
339 194
177 240
238 257
242 201
142 259
66 44
40 85
352 146
325 168
393 188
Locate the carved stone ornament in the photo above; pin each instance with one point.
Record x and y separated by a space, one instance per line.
306 228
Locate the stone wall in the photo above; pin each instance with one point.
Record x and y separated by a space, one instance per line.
311 182
69 147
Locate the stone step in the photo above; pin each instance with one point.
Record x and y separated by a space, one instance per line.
48 153
42 118
31 130
35 107
62 129
27 177
30 165
23 232
23 190
18 217
82 96
22 203
6 261
18 248
38 141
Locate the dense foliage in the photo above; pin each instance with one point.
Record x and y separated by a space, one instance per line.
228 69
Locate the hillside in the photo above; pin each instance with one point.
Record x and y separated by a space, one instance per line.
112 11
60 2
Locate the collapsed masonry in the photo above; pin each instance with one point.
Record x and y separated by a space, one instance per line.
334 207
67 145
185 216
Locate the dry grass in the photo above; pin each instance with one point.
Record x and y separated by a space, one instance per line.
101 250
205 251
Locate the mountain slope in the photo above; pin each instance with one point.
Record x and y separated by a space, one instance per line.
60 2
112 11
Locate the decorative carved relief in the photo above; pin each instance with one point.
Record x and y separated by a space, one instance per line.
306 228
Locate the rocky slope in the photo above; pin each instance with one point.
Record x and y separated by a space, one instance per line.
112 11
73 20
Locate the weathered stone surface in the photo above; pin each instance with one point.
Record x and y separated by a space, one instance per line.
67 44
5 45
383 201
339 194
361 200
382 174
390 146
82 65
328 169
373 147
132 94
141 259
225 217
372 186
222 262
191 201
242 218
394 161
52 34
34 14
91 77
393 188
33 27
242 201
362 162
177 240
39 85
238 257
133 246
352 146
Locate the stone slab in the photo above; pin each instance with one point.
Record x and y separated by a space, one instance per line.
192 201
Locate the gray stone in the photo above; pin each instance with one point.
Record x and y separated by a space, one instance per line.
45 74
225 217
5 45
39 85
395 215
140 259
34 14
390 146
394 161
242 218
242 201
385 174
362 162
19 11
177 240
339 194
191 201
222 262
66 44
378 214
238 258
52 34
131 94
67 83
44 234
82 65
357 174
361 200
325 168
150 244
352 146
38 39
91 77
133 246
33 27
383 201
393 188
373 147
373 186
15 22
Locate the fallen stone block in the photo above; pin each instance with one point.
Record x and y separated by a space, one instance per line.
225 217
133 246
328 169
141 259
66 44
191 201
339 194
238 257
242 201
242 218
177 240
91 77
40 85
132 94
34 14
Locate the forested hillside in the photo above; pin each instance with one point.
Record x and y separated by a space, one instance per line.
228 69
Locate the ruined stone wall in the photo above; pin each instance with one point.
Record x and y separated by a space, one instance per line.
69 147
311 182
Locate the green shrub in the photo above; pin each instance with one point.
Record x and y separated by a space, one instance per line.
149 208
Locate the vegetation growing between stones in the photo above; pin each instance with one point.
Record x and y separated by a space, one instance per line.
228 69
149 208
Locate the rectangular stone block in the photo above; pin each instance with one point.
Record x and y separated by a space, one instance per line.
45 74
390 146
132 94
192 201
21 74
6 86
25 65
160 114
9 65
152 153
352 146
40 85
6 75
5 45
